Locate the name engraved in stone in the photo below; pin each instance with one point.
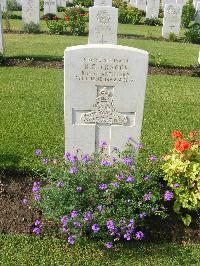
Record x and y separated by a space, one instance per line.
105 70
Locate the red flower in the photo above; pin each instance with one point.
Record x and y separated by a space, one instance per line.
67 18
182 145
177 134
193 134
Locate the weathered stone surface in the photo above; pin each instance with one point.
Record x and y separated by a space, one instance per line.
3 4
104 95
50 6
152 8
102 2
31 11
197 16
141 4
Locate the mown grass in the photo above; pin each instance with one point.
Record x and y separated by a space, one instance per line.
31 101
53 46
33 251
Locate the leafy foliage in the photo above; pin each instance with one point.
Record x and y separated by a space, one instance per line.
85 3
13 5
182 173
193 34
56 25
31 27
130 15
153 22
188 14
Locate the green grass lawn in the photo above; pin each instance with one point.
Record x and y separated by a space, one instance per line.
53 46
31 101
22 250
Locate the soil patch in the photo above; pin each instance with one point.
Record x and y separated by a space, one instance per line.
153 70
15 218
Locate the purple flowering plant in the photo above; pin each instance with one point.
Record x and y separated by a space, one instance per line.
92 195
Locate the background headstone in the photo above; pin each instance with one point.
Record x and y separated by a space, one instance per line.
50 6
172 19
141 4
102 2
197 16
152 8
3 4
133 3
104 95
103 22
1 34
61 3
31 11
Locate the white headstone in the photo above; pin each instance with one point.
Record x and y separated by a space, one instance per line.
104 95
152 8
1 34
197 16
61 3
31 11
133 3
50 6
3 4
103 22
102 2
141 4
172 19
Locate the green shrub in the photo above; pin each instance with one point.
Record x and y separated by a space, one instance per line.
172 37
161 13
188 14
106 199
13 5
130 15
119 3
41 5
75 18
55 26
2 58
182 173
85 3
31 27
153 22
61 9
14 16
193 34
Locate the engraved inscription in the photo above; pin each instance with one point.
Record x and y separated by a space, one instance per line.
113 70
103 17
104 111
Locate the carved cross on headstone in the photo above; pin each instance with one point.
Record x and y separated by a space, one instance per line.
104 116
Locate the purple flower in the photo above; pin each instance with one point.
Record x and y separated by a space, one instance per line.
86 158
88 216
106 163
78 224
110 224
38 152
103 144
127 236
128 161
37 197
79 189
25 201
74 214
142 215
36 187
100 208
45 161
72 158
168 195
130 138
139 235
114 159
96 228
176 185
71 240
120 177
73 170
115 149
130 179
37 231
67 155
153 158
139 146
103 186
37 222
65 230
147 177
65 219
115 184
131 223
147 196
60 184
109 245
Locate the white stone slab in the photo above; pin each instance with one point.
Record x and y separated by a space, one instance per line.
61 3
133 3
141 4
104 95
50 6
31 11
102 2
103 22
172 19
1 34
152 8
3 4
197 16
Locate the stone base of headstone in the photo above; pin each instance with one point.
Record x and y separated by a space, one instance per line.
104 95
